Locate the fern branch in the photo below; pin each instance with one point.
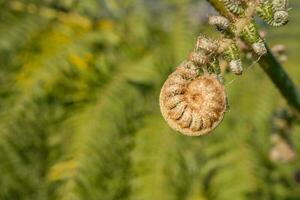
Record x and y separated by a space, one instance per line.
282 80
272 68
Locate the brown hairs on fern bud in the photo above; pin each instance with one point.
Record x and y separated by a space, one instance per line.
206 44
193 106
198 58
236 67
259 48
221 23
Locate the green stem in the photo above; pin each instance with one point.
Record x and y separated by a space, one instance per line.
272 68
281 79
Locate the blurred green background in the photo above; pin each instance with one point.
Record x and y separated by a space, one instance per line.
79 86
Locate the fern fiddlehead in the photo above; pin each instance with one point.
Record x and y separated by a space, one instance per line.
192 104
234 6
274 13
193 99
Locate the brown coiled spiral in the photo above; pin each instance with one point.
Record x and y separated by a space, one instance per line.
192 104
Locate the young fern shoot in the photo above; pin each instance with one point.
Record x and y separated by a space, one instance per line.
193 99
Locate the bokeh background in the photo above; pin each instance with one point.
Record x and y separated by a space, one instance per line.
79 114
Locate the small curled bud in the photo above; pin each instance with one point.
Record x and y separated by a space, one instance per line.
280 5
266 12
206 44
259 48
234 6
199 105
274 14
250 34
280 18
232 52
198 58
220 22
236 67
233 57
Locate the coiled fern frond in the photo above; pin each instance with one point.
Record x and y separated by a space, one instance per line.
192 111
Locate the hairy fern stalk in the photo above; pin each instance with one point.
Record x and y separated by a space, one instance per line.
196 111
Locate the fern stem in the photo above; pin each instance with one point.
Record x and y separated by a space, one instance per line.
272 68
281 79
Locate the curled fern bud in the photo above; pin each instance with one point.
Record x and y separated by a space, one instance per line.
280 5
236 67
206 44
273 16
251 36
280 18
220 22
259 48
198 105
265 12
234 6
233 57
198 58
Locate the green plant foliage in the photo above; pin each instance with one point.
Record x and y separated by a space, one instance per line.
79 87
